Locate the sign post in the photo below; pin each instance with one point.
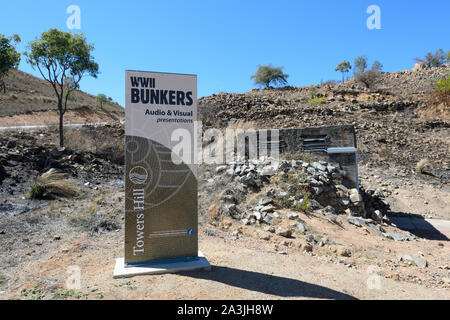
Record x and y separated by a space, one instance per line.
161 219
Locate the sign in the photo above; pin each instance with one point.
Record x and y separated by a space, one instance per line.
160 173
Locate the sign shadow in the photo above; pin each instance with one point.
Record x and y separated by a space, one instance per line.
268 284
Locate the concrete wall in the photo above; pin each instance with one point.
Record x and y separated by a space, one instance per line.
294 143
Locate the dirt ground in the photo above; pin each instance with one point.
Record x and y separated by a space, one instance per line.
247 263
51 118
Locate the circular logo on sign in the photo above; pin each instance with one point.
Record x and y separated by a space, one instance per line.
138 175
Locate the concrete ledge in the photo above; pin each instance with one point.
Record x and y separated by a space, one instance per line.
122 271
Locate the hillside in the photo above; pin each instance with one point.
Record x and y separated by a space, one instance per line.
394 122
296 233
31 101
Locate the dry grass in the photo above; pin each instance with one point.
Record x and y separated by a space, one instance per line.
422 165
98 141
52 184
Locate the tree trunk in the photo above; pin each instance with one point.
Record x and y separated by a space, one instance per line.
61 126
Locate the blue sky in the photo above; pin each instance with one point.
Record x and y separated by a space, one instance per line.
223 42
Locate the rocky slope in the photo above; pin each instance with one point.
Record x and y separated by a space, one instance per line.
387 117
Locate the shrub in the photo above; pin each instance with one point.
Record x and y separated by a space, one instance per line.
441 92
52 184
304 205
315 97
422 165
368 78
318 100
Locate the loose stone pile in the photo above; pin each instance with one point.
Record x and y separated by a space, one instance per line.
301 187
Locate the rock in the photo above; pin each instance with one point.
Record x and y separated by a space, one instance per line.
377 216
265 201
331 168
318 166
257 215
231 210
375 227
268 171
355 198
344 252
396 236
266 237
330 209
258 208
292 216
341 194
317 190
307 247
301 227
230 172
313 204
416 258
268 219
378 194
246 222
420 66
311 239
276 214
285 166
11 144
342 188
311 171
267 208
271 229
248 181
284 195
219 169
419 260
228 198
355 221
284 232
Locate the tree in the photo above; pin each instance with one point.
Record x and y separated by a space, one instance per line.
9 57
343 67
377 66
101 98
267 75
434 59
360 64
62 59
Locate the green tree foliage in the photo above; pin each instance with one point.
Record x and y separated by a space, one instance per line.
434 59
377 66
343 67
9 57
101 98
360 64
63 59
267 75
